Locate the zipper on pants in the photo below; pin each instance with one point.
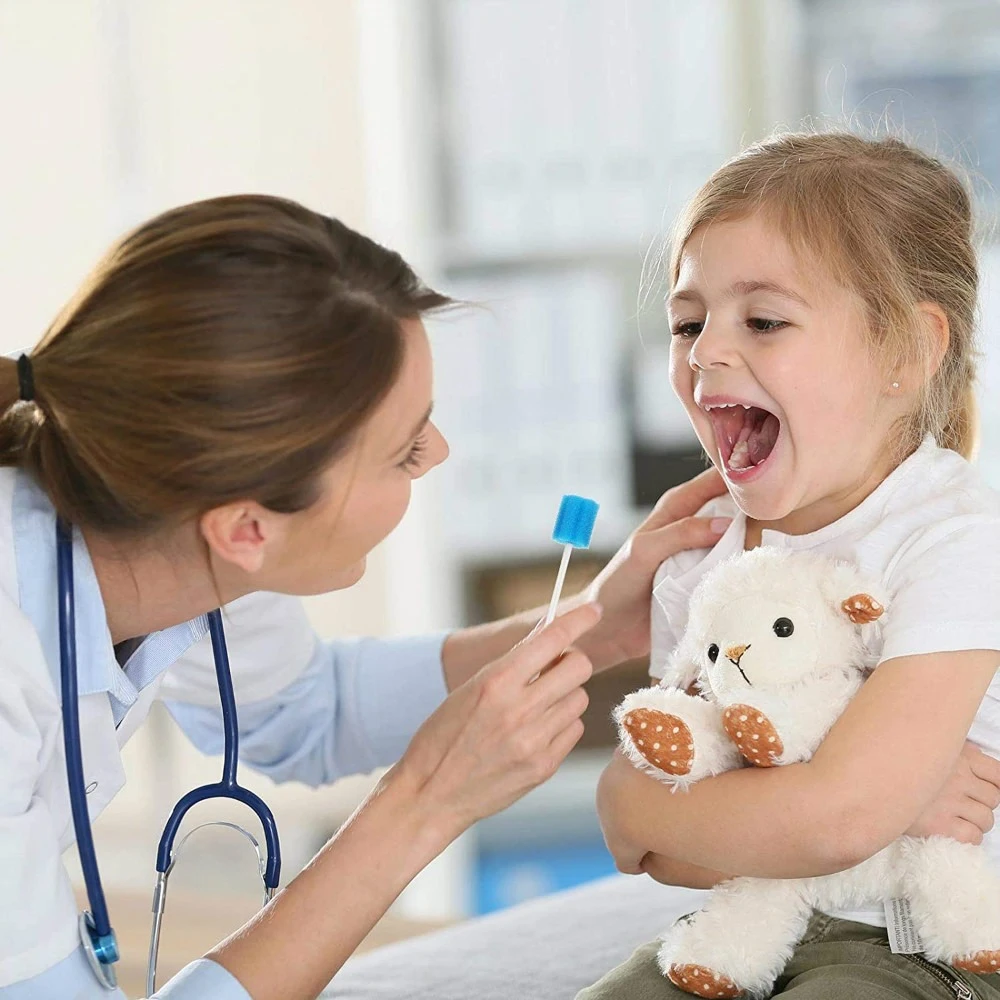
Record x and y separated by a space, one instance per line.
957 986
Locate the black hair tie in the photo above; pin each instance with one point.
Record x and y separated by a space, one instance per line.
26 378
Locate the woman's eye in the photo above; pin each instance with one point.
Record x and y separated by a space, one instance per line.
689 328
416 453
760 325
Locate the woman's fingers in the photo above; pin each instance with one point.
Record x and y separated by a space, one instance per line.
571 671
654 547
536 653
686 499
562 714
563 743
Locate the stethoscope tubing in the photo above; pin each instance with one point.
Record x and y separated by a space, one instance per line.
96 934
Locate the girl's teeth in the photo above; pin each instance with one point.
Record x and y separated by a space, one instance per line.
740 457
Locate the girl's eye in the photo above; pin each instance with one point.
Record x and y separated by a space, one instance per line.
689 328
760 325
416 453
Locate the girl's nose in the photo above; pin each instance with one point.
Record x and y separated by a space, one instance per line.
712 348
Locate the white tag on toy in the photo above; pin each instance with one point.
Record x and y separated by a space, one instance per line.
903 936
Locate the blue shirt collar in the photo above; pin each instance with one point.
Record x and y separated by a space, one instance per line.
34 523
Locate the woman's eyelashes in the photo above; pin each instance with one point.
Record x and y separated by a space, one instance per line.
415 455
756 324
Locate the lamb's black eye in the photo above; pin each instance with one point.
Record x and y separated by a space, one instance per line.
783 628
713 652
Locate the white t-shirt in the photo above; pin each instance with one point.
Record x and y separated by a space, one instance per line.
931 533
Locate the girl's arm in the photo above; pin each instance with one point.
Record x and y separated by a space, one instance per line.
962 810
880 765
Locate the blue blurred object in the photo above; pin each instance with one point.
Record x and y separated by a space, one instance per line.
506 877
575 521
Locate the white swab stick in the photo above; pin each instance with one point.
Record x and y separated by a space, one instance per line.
560 580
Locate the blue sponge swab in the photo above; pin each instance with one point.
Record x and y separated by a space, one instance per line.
574 527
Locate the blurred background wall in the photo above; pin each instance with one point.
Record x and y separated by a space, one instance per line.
526 155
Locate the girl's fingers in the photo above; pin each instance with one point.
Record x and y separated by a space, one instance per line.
983 765
984 792
967 833
976 813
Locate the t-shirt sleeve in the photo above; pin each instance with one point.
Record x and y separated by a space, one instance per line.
945 592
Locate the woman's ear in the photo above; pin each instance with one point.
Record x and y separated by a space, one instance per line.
240 533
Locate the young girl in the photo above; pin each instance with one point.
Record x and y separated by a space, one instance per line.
822 318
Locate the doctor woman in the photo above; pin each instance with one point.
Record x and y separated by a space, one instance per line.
232 411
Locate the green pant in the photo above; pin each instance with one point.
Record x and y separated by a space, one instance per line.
836 960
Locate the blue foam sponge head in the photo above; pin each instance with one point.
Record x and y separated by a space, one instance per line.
575 521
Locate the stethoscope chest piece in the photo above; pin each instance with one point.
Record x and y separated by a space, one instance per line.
101 952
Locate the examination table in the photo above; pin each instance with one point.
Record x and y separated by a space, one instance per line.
546 949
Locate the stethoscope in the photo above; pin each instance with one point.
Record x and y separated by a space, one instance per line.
96 935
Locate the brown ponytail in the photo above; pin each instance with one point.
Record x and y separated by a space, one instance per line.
228 349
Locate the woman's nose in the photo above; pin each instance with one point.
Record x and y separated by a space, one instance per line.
437 447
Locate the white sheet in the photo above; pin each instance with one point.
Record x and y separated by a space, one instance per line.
547 949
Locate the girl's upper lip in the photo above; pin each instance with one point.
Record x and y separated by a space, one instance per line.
706 401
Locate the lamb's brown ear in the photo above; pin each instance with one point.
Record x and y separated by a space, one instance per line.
867 601
862 609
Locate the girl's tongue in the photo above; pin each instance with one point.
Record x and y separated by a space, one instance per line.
746 436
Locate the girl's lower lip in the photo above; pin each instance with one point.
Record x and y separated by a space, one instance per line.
741 476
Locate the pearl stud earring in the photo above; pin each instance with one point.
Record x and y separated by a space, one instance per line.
895 385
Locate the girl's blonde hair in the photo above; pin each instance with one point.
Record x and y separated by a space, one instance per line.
891 224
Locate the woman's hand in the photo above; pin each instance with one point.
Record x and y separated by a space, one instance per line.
963 809
506 729
624 586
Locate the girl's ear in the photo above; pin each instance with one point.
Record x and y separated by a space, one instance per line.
850 592
938 331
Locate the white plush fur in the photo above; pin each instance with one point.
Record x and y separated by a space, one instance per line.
802 683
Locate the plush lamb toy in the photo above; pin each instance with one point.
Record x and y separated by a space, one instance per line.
774 641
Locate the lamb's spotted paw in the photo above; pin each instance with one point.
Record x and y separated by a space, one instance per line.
982 962
754 735
663 740
675 736
702 982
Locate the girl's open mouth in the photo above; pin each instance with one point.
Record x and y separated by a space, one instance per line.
746 435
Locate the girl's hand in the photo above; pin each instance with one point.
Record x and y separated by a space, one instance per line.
624 586
614 799
963 809
506 729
